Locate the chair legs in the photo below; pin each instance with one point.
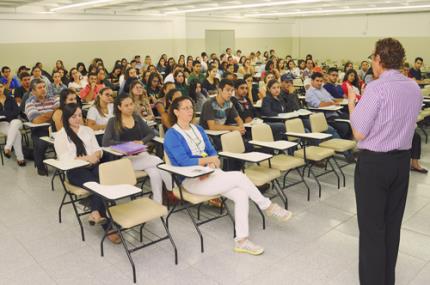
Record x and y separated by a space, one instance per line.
197 229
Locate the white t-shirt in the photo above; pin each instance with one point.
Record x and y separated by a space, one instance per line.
169 78
93 114
194 139
78 86
66 149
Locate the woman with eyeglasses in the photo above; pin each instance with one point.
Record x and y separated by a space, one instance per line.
187 144
127 126
99 114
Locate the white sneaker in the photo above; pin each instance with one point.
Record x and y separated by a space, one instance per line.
249 247
278 212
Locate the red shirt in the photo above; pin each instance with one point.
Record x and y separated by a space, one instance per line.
86 91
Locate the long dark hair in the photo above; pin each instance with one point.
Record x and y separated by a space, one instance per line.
64 94
117 112
175 106
192 91
68 111
169 97
355 82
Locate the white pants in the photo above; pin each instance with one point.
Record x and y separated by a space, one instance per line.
235 186
148 163
14 137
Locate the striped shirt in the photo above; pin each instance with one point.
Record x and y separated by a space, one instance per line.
387 112
34 108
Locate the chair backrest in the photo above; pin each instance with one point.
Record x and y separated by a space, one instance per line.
262 132
296 126
318 123
161 130
425 91
232 142
119 171
166 159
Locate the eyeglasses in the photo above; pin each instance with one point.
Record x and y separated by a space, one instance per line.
186 108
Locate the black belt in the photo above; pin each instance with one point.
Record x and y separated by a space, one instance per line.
395 151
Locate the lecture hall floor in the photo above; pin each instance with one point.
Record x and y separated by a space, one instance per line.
318 246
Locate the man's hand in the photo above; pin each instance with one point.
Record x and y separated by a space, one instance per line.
352 97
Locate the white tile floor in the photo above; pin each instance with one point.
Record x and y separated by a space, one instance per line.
318 246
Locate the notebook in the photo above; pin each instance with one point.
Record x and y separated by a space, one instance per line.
129 148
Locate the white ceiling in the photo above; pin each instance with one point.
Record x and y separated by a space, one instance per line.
220 8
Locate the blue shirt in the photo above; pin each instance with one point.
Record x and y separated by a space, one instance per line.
13 84
315 96
334 90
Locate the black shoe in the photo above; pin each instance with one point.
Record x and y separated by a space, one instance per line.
43 171
422 170
263 188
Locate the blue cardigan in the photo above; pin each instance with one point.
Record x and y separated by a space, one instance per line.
178 151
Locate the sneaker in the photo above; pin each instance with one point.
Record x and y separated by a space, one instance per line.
278 212
249 247
42 171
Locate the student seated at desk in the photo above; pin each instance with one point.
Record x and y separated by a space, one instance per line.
127 126
210 84
163 106
195 93
188 145
247 112
336 91
141 101
10 126
89 93
76 141
218 113
352 81
273 103
67 96
317 96
39 109
102 110
180 83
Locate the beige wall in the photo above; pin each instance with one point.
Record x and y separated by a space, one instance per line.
357 49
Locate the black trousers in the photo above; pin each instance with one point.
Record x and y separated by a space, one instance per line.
416 146
381 187
79 176
39 146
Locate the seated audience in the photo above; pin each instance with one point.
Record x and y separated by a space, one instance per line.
89 93
76 141
36 73
246 68
39 109
351 81
153 87
67 96
77 81
129 127
20 92
336 91
101 78
317 96
57 85
10 82
187 145
196 74
141 101
273 103
114 77
180 83
10 126
364 67
102 110
210 84
415 72
195 93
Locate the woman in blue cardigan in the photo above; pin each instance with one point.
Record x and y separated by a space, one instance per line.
187 145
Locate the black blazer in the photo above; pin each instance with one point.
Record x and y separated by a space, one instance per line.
9 109
272 107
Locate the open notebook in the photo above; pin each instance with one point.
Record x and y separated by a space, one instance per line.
129 148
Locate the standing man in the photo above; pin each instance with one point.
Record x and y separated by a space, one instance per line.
383 123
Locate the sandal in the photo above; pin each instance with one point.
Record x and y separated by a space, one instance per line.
100 221
114 237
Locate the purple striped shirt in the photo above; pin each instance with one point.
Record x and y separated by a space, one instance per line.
387 113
